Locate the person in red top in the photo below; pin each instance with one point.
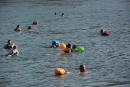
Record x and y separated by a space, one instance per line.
104 32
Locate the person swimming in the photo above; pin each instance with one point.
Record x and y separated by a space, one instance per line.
17 29
82 69
104 32
54 45
55 13
9 45
69 49
62 14
29 29
13 52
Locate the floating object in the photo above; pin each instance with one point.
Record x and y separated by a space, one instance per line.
79 49
57 42
62 46
35 22
59 71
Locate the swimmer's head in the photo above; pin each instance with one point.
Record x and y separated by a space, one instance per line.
29 27
9 41
74 46
62 14
101 30
18 26
82 68
69 46
14 47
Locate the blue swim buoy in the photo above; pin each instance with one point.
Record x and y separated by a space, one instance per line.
57 42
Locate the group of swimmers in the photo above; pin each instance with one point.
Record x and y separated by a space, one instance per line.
17 29
12 47
69 49
58 71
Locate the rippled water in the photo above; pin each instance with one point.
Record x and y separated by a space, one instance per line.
107 58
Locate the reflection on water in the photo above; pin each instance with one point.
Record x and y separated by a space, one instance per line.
107 58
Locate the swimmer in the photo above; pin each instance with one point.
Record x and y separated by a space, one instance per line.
54 45
55 13
82 69
62 14
14 51
9 45
69 49
29 29
60 71
104 32
17 29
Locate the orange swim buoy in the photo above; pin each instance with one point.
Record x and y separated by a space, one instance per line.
59 71
35 22
62 46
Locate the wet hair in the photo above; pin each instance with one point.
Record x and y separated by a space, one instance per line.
14 47
68 46
17 25
101 30
29 27
74 46
9 41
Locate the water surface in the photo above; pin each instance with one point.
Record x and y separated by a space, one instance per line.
107 58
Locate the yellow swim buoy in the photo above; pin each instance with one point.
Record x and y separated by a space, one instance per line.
59 71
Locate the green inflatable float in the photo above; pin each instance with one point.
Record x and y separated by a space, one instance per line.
79 49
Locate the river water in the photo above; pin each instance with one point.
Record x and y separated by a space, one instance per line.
107 58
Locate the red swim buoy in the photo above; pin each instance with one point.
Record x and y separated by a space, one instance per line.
35 22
